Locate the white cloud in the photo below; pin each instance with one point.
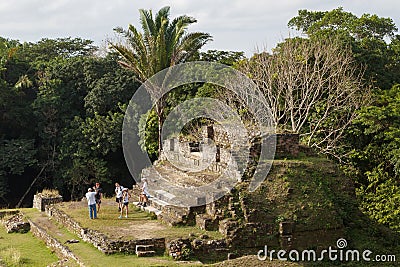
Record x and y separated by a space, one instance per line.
234 24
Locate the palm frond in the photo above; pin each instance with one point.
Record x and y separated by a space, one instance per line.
188 45
161 44
162 14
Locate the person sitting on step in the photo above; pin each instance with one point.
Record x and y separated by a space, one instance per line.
144 194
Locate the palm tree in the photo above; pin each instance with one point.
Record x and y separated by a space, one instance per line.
161 45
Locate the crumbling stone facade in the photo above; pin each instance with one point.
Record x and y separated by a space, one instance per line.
287 145
16 224
201 248
40 202
61 250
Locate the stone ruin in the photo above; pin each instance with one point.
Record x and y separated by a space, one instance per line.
222 213
230 213
213 158
14 222
40 201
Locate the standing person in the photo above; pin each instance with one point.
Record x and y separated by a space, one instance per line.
125 201
118 193
91 199
144 194
99 195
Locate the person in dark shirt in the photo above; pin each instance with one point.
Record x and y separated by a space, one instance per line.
98 196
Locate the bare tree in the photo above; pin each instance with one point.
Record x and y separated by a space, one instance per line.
313 88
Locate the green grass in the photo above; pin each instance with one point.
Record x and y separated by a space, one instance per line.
24 250
108 221
91 256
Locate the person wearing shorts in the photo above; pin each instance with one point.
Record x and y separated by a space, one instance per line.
144 194
118 195
125 202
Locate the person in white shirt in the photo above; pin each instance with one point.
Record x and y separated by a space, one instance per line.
118 192
144 194
91 199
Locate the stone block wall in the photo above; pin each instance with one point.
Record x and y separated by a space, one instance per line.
61 250
214 249
7 213
287 145
174 215
216 133
16 224
207 222
184 248
179 249
40 202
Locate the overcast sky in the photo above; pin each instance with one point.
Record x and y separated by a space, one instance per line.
239 25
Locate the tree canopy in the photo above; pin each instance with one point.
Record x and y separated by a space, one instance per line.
162 44
62 104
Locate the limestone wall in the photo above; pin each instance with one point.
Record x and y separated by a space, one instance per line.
16 224
4 213
40 202
287 145
201 248
60 249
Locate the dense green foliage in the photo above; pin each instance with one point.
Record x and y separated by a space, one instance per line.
373 139
62 111
376 157
62 106
367 35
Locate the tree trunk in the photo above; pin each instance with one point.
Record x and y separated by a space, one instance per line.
160 115
30 187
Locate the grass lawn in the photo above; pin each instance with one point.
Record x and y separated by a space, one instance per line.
24 250
138 225
90 255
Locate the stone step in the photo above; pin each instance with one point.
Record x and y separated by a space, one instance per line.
149 253
163 195
157 203
148 209
151 209
144 248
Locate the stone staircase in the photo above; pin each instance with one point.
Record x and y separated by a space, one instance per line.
183 189
169 200
145 250
172 215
